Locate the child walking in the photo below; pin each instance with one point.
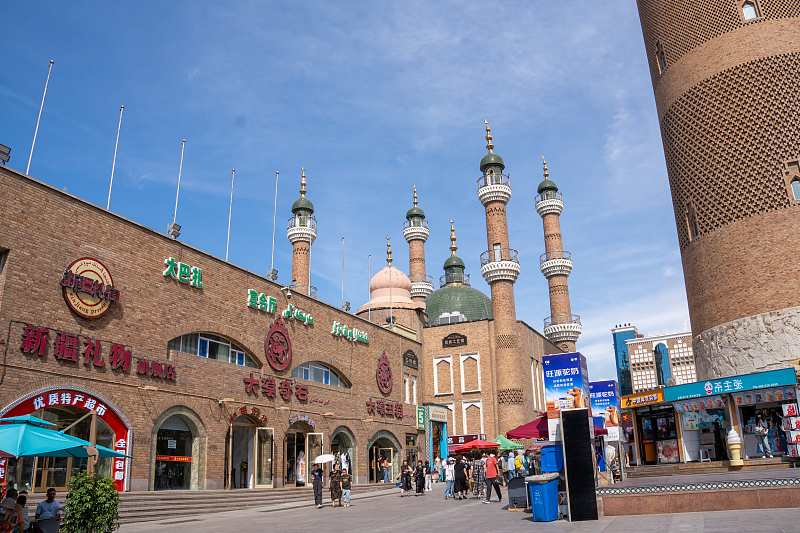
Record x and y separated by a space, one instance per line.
346 486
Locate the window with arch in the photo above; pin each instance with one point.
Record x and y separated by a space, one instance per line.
661 58
212 346
796 189
321 374
691 222
749 10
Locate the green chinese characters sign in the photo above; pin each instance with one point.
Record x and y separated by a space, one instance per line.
420 417
263 302
353 334
183 272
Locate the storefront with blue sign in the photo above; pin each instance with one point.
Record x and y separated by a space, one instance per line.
709 409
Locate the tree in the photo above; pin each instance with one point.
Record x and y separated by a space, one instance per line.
91 505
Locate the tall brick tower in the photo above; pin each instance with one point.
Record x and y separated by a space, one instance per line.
725 77
500 268
562 328
415 230
302 231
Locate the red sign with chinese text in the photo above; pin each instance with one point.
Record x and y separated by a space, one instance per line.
88 287
176 458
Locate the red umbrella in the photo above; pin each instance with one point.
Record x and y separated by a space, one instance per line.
467 446
6 455
532 430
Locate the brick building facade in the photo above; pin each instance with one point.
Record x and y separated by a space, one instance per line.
724 77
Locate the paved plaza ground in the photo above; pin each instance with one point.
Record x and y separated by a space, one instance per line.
432 513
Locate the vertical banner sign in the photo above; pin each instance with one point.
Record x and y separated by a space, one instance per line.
420 417
566 383
606 404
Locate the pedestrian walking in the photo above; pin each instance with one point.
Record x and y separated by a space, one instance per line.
381 475
405 478
442 476
428 476
460 484
346 486
521 464
336 486
493 479
450 477
762 435
316 476
387 470
478 475
419 478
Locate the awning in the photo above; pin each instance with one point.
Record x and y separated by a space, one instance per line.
532 430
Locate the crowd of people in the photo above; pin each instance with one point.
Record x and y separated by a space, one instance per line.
15 518
480 473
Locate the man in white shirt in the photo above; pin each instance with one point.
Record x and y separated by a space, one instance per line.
49 508
449 477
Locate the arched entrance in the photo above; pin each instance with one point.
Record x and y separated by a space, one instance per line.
178 451
343 448
383 447
300 447
249 450
82 413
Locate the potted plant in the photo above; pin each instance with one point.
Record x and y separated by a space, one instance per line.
243 466
91 505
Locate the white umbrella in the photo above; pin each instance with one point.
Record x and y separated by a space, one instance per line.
322 459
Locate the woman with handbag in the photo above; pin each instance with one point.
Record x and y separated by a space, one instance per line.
461 472
405 478
336 486
419 478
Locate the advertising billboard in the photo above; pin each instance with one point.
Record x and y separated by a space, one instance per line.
566 384
606 405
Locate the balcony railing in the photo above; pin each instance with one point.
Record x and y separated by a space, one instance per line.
549 256
548 195
499 254
302 222
561 319
453 278
415 223
493 179
308 290
421 278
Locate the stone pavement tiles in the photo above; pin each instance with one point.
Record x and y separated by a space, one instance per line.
389 512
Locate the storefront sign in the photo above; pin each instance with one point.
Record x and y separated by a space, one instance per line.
765 395
3 466
292 313
89 402
67 347
410 359
269 387
605 404
437 414
457 440
383 374
261 301
255 412
302 418
176 458
454 339
88 287
184 273
637 400
711 402
384 407
760 380
420 417
353 334
278 346
155 369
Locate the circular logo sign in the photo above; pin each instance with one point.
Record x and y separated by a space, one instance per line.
88 287
384 374
278 346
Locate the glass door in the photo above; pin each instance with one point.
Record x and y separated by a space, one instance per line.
51 472
263 457
387 454
289 454
314 450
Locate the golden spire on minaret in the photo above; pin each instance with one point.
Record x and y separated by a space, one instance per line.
303 183
388 251
415 196
453 246
489 145
546 175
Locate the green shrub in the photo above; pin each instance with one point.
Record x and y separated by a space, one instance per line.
91 505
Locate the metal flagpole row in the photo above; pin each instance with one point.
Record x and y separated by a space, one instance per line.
114 163
28 170
230 210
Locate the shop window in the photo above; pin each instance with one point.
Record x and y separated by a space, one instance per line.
173 469
321 374
795 192
212 347
749 10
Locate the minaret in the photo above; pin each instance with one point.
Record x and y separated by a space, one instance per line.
302 231
500 268
562 328
415 230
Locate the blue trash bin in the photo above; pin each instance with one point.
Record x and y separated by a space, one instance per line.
552 458
543 493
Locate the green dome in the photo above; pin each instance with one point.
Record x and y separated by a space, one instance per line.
547 185
415 212
470 302
492 159
303 204
454 261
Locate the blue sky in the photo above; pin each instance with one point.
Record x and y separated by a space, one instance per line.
372 98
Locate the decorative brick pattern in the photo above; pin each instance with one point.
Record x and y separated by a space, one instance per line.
510 396
506 341
717 485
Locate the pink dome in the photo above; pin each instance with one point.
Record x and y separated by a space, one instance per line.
379 288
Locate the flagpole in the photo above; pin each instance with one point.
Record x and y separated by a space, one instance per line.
27 170
230 210
114 164
274 216
180 169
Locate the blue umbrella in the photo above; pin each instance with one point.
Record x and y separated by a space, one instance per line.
27 436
